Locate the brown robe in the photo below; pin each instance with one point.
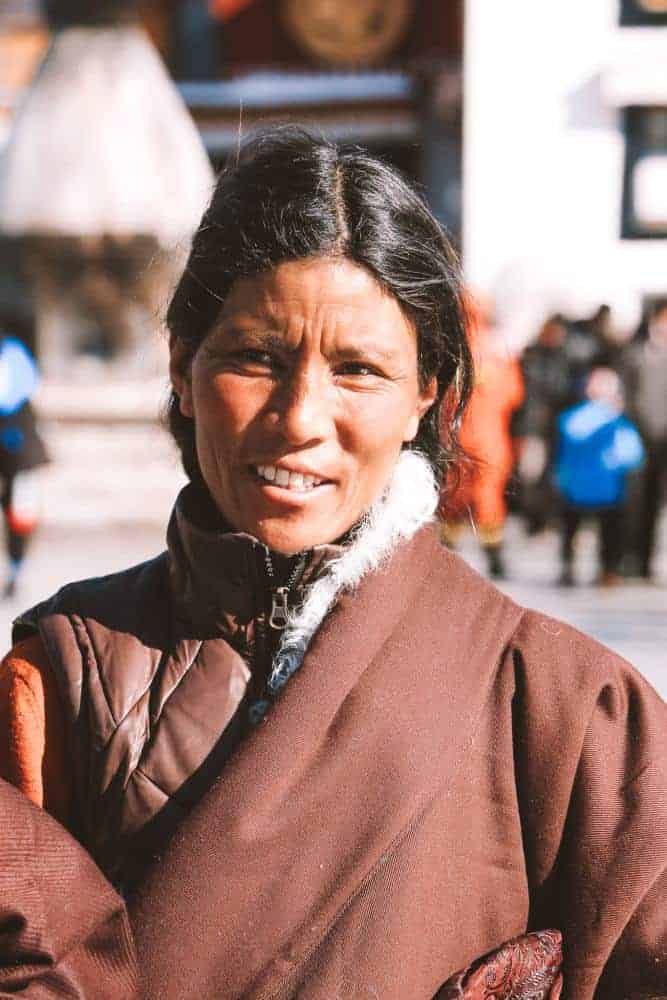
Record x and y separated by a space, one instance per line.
445 771
63 930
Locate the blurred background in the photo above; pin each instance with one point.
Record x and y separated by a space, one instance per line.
536 131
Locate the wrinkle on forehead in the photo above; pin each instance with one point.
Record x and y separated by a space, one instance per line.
321 294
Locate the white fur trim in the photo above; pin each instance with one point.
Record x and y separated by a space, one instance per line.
408 502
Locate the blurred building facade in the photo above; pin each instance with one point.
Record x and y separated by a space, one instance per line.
552 173
382 73
103 179
23 40
565 162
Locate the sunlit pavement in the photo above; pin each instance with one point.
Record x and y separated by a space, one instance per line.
632 619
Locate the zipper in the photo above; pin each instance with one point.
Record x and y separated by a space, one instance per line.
279 608
277 620
279 614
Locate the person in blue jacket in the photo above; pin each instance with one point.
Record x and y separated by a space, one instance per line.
597 446
21 451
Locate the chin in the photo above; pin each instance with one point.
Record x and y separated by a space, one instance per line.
286 541
287 544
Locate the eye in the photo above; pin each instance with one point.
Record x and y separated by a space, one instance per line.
252 354
358 368
252 359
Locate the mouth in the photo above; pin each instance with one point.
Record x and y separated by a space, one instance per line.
288 479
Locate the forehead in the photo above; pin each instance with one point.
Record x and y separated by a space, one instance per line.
316 291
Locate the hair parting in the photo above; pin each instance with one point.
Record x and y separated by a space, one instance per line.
290 195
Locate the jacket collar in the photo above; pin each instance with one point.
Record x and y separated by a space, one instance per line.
219 576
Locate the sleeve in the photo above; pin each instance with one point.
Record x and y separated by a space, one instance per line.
63 930
20 376
591 766
33 755
628 446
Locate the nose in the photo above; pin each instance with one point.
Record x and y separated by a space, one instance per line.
303 409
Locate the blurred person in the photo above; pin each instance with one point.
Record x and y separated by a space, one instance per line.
640 333
597 447
645 376
546 378
589 344
322 755
22 451
486 439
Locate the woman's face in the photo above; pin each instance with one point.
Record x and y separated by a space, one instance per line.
302 396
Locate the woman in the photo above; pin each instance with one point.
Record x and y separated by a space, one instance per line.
324 757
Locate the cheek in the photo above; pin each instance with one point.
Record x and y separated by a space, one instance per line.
375 428
223 408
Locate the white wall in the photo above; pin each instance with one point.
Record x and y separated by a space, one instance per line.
543 158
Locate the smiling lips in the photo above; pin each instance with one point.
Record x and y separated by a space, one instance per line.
287 479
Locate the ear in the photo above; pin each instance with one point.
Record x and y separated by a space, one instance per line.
425 401
180 363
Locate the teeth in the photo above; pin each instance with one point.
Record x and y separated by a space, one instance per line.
285 478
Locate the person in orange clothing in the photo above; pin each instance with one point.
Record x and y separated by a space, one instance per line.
485 437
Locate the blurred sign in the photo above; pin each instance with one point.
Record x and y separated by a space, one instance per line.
341 33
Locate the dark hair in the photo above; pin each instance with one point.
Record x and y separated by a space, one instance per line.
291 196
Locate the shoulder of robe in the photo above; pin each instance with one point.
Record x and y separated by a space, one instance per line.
561 673
557 668
468 600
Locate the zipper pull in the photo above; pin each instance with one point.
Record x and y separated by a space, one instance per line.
279 608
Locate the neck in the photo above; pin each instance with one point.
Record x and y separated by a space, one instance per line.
408 502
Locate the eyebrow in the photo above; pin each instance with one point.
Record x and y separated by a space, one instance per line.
256 337
268 339
354 352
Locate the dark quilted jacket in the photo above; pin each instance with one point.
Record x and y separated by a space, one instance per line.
156 667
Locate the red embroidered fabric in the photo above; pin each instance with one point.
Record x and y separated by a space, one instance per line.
524 968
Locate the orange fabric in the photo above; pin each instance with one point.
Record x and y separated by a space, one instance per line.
19 523
485 432
33 755
225 10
